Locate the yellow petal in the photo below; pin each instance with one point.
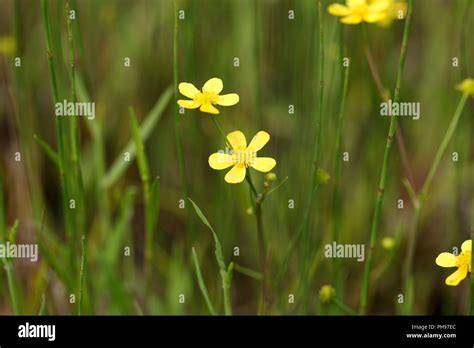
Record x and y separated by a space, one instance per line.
228 99
188 104
373 17
355 3
220 161
379 5
236 174
455 278
209 108
237 140
259 141
263 164
213 85
467 245
352 19
188 90
446 260
339 10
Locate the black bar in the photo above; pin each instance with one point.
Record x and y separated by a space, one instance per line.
242 330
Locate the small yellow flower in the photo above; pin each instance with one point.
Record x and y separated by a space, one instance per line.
242 156
467 86
462 262
208 97
327 293
7 45
358 11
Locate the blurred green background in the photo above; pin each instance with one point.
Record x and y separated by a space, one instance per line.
278 67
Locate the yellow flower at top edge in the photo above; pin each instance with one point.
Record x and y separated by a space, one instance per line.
7 45
382 12
242 156
461 261
467 86
207 98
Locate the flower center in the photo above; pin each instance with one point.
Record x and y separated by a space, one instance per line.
206 98
360 10
244 156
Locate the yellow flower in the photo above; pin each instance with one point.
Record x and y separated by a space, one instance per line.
242 156
206 99
395 9
467 86
7 45
358 11
462 262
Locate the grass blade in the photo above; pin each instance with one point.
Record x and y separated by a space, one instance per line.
226 274
202 284
119 166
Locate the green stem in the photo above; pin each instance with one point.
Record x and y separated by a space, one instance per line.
423 196
7 264
336 189
217 124
76 161
443 146
385 166
179 138
345 308
306 243
263 257
82 274
60 134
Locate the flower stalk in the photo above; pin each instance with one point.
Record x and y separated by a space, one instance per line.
385 166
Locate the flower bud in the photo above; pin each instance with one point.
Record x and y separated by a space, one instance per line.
327 293
270 177
388 243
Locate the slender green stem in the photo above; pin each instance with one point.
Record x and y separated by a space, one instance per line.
443 146
179 138
217 124
202 284
263 257
335 210
76 162
252 186
423 196
82 274
60 133
248 272
345 308
385 165
463 40
305 232
7 264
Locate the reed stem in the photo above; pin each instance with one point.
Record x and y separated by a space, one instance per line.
385 166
